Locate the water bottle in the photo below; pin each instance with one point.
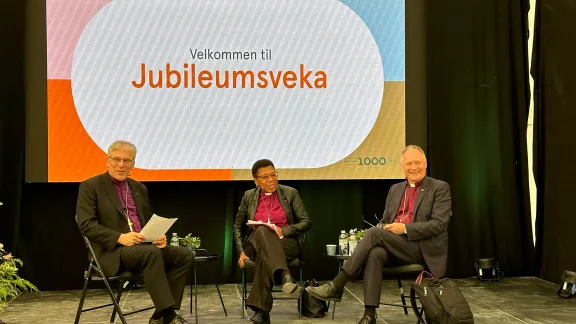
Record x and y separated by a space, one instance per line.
343 243
175 241
352 243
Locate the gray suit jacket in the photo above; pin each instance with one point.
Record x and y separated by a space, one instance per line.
431 218
298 221
101 217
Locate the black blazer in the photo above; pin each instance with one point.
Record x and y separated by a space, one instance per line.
102 219
298 221
431 219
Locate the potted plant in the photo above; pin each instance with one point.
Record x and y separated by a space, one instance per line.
11 285
360 234
190 242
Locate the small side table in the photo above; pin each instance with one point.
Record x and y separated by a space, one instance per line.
340 259
202 256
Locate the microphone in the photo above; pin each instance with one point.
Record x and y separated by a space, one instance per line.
365 221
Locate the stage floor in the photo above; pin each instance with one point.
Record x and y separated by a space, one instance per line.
512 300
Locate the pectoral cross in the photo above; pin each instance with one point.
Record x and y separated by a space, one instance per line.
129 222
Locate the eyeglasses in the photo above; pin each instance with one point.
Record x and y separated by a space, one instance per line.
416 163
273 175
117 160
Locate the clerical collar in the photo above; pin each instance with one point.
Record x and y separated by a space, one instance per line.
268 194
116 181
417 184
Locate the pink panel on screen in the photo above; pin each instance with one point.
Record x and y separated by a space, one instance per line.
65 21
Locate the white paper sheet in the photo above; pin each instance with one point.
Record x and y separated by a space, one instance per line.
255 224
156 227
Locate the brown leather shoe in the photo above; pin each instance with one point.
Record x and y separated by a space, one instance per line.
325 292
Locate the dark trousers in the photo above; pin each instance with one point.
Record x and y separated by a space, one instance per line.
377 249
164 271
270 253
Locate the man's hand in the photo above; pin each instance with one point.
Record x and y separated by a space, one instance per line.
396 228
279 231
131 238
241 259
160 242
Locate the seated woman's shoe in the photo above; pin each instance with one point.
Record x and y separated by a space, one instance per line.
288 287
367 320
260 317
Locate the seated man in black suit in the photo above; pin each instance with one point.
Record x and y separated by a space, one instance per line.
412 230
111 210
276 204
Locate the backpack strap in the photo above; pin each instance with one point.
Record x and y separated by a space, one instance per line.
420 277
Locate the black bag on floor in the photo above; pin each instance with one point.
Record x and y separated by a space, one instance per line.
312 307
442 300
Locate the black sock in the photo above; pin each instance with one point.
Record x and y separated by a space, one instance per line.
156 315
168 315
340 281
370 311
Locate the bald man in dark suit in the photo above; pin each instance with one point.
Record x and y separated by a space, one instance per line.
413 229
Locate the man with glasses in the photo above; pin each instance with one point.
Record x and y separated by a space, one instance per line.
271 245
111 211
413 229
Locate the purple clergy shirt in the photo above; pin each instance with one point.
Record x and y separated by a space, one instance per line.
405 212
270 205
127 202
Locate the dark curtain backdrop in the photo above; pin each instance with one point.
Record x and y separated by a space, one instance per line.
478 101
477 104
54 254
553 70
12 31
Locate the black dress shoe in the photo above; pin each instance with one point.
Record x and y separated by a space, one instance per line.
325 292
288 287
367 320
260 317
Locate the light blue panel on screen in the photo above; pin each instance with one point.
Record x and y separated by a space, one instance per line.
386 21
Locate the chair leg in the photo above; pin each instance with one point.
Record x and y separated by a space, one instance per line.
195 296
333 310
192 289
81 304
221 301
402 297
120 290
116 306
421 313
243 292
300 296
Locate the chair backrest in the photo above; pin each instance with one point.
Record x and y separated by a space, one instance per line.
91 254
93 263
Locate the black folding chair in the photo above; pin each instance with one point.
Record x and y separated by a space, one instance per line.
408 271
94 272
